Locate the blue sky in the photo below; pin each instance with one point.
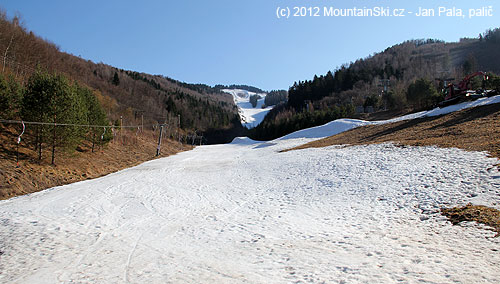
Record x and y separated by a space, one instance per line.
236 42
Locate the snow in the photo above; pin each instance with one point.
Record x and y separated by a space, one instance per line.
250 116
328 129
449 109
246 213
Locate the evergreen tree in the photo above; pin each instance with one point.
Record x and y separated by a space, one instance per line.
51 99
10 97
116 79
372 101
493 82
276 97
34 106
95 113
422 94
393 100
170 105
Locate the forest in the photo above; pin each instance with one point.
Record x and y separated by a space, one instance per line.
275 97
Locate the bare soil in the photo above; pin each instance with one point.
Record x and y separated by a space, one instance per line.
34 175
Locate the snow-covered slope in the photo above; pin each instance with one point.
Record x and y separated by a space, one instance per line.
245 213
250 116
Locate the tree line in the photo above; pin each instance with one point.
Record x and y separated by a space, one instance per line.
239 87
282 120
275 97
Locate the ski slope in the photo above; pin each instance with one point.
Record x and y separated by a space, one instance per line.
250 116
246 213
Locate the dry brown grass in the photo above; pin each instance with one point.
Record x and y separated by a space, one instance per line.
477 213
475 129
33 175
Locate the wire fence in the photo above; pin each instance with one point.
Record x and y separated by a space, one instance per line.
6 121
188 138
23 69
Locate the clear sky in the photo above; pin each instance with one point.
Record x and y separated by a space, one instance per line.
236 41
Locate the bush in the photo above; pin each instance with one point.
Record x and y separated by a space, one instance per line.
422 94
394 100
373 101
493 82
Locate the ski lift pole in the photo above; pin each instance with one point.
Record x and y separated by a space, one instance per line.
102 135
102 138
159 141
18 142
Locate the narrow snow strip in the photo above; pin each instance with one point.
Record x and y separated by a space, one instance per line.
328 129
341 125
448 109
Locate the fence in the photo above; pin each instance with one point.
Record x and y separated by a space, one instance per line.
117 135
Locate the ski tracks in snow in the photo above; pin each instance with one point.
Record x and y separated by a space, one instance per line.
248 214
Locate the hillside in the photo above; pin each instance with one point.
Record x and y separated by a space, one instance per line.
137 101
136 97
382 82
